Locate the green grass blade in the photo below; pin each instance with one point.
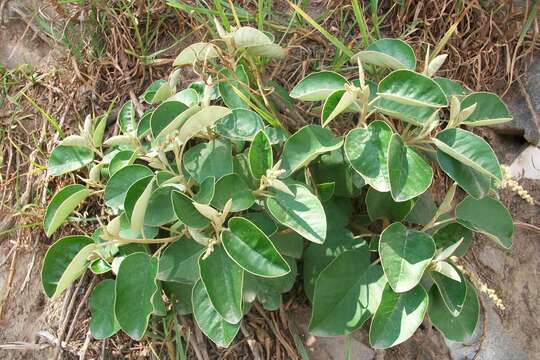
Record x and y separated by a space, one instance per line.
359 15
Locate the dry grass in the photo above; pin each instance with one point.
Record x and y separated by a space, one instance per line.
112 51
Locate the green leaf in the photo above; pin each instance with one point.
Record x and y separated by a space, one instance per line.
134 193
210 322
469 149
200 51
473 182
150 92
270 50
233 187
136 280
62 205
261 157
64 262
226 88
367 152
119 183
318 256
167 117
335 104
412 114
410 175
64 159
99 266
103 323
127 232
486 216
461 327
318 86
347 293
423 211
263 222
144 123
159 210
241 124
453 292
387 53
202 119
99 130
126 118
189 97
451 87
288 243
397 317
241 167
121 160
209 159
305 145
381 206
408 87
179 261
489 109
250 248
405 255
275 135
186 212
206 192
302 213
247 36
450 234
180 296
223 280
332 168
268 290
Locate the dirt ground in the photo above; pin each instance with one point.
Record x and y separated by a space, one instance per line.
504 334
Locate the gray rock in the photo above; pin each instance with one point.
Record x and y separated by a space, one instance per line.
525 108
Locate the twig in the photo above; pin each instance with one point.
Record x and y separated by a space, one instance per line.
84 348
82 303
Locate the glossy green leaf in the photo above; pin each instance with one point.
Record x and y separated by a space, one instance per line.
119 183
99 266
210 322
64 262
180 296
186 212
381 206
405 255
261 157
233 187
126 118
134 193
408 87
347 293
469 149
486 216
136 279
333 168
143 127
289 244
159 210
409 174
450 234
305 145
121 160
62 205
275 135
461 327
240 82
241 124
335 104
202 119
223 280
451 87
103 323
250 248
302 213
489 109
472 181
209 159
206 191
179 261
241 167
150 92
423 211
397 317
387 53
263 222
318 86
164 118
200 51
367 152
412 114
64 159
317 256
453 292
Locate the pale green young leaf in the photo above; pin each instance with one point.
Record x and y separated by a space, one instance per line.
387 53
318 86
200 51
410 88
62 205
